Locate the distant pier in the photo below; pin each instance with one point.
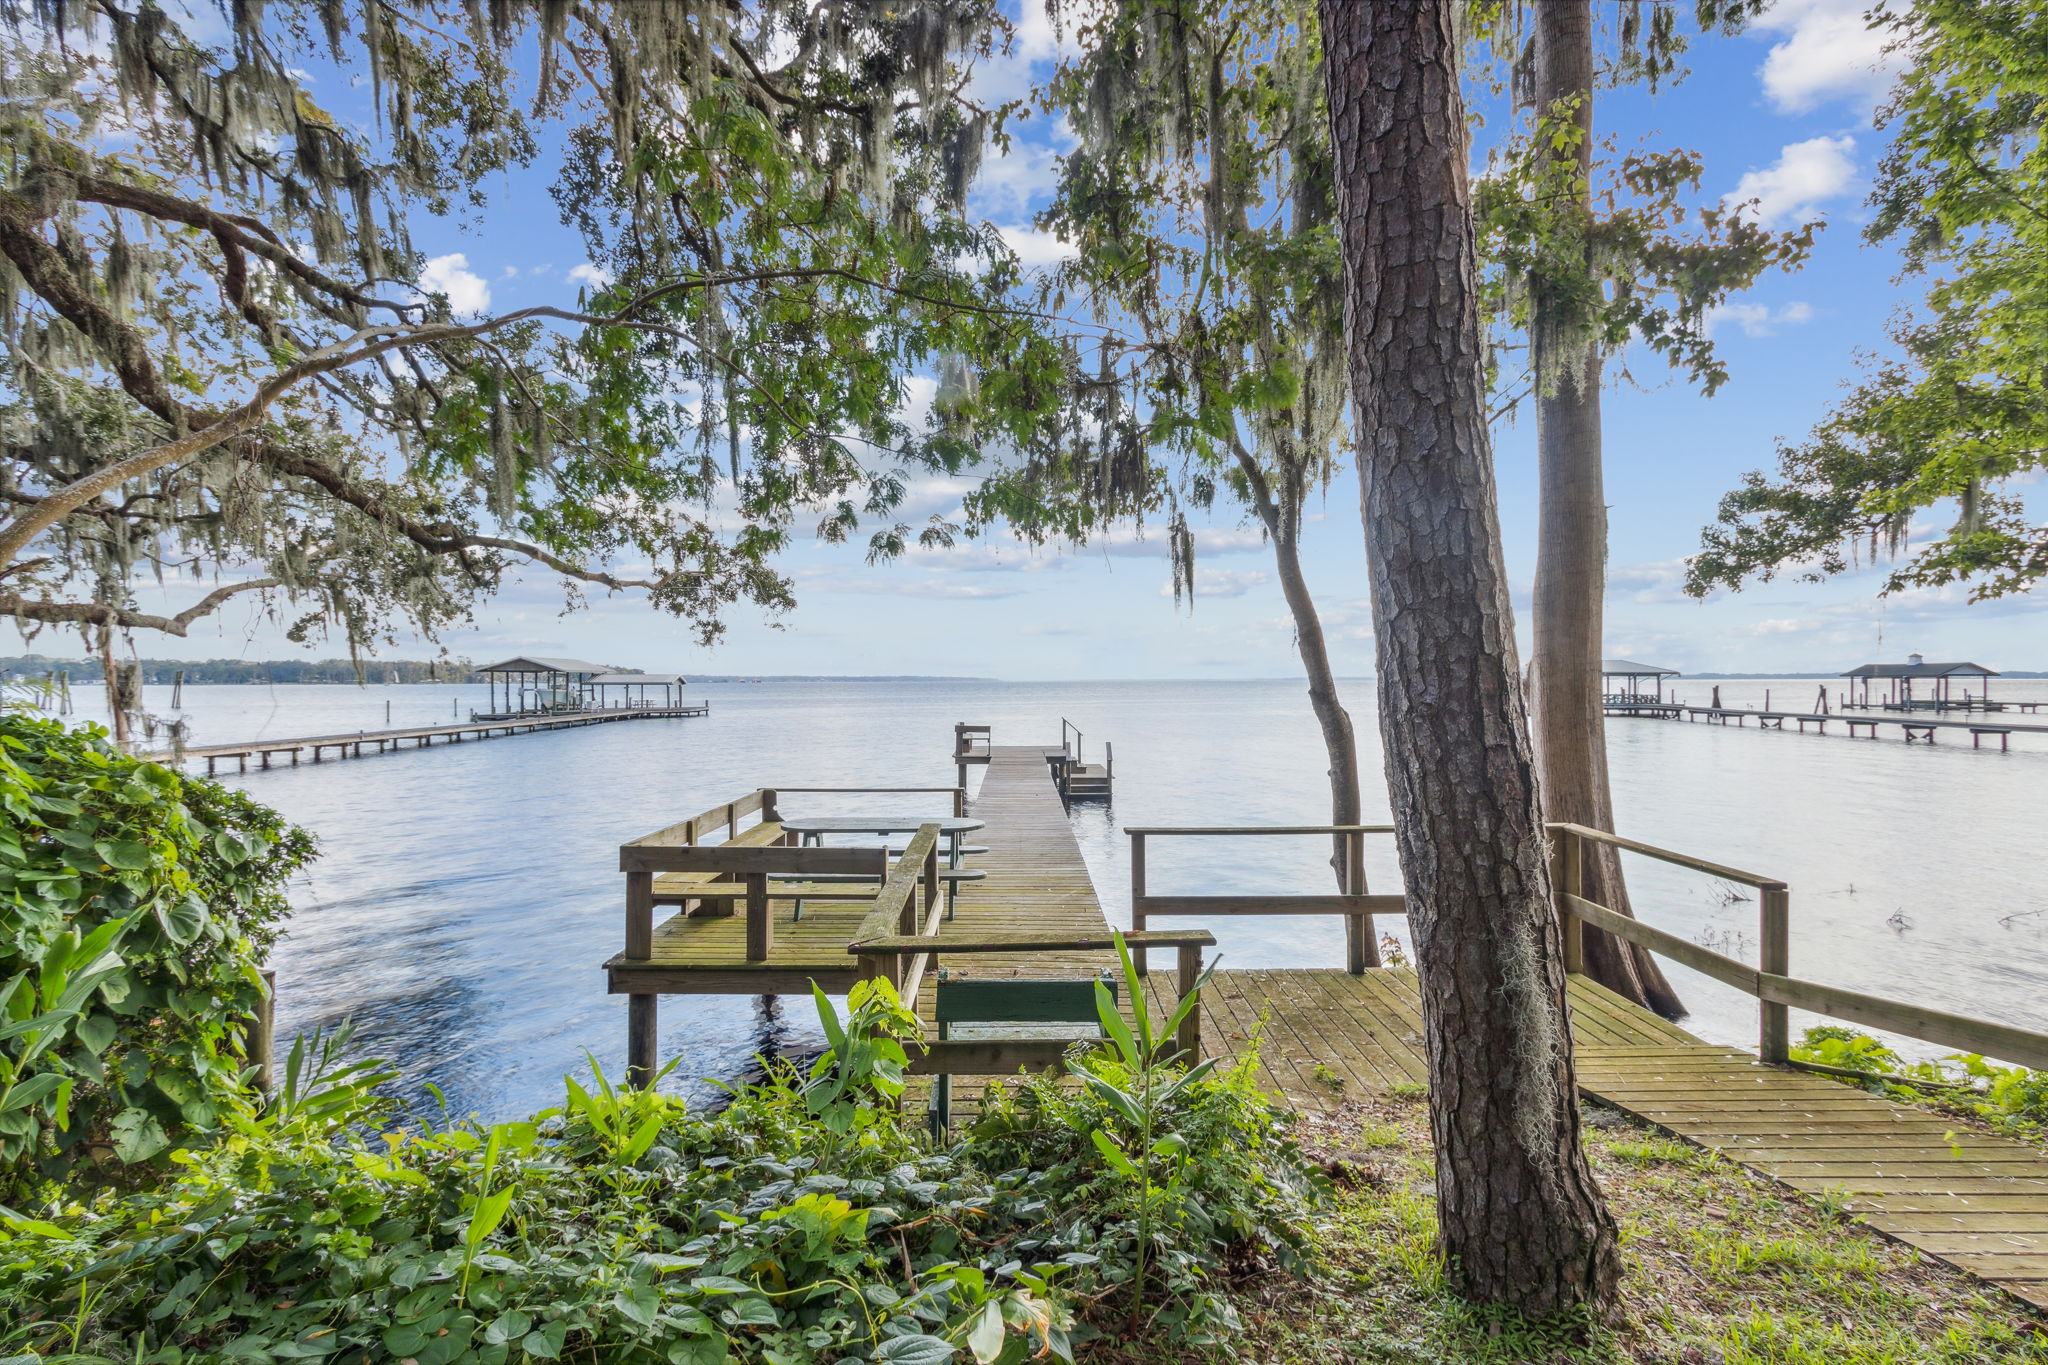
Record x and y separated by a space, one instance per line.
1915 728
266 751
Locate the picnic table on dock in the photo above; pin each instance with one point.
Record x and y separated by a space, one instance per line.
951 828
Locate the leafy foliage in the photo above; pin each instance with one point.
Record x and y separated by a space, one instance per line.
2009 1096
1168 1171
773 191
1961 410
136 906
806 1222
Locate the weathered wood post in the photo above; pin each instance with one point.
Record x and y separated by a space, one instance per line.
1774 958
1361 943
760 928
1189 1039
1566 877
1138 898
642 1011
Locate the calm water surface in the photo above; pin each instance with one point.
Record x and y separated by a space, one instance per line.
466 895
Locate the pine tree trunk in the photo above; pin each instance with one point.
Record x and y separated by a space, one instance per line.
1571 543
1522 1222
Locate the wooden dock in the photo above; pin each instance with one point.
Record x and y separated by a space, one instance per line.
423 736
1328 1034
1915 727
1977 1203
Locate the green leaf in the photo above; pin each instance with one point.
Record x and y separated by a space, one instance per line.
1112 1153
127 855
96 1032
138 1136
917 1350
638 1303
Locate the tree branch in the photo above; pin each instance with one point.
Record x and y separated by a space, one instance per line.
107 614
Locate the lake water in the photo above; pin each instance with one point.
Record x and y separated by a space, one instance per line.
467 895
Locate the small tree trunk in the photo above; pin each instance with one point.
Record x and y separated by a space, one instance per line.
1522 1221
110 678
1571 541
1340 741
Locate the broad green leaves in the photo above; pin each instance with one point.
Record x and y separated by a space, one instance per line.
135 908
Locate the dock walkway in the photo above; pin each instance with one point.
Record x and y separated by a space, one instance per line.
1323 1036
1977 1203
422 736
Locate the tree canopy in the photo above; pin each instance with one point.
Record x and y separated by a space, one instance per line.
223 360
1960 411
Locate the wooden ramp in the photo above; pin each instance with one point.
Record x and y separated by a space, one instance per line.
1978 1203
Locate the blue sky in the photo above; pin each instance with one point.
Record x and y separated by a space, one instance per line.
1781 114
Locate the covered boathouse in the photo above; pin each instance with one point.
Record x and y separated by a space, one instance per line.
1937 686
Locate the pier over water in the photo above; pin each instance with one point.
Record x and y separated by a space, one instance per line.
758 914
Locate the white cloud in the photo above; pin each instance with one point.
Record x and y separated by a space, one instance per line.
1828 51
1016 180
1222 582
1035 248
1792 189
1758 319
594 276
468 292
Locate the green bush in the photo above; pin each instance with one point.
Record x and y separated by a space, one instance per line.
2010 1096
1169 1172
136 907
807 1222
615 1228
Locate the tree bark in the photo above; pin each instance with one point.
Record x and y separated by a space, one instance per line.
1571 539
1340 740
1522 1222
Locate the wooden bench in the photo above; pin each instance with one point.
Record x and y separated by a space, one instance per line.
1926 734
1977 733
1853 722
241 761
686 889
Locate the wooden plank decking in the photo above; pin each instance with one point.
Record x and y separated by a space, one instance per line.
1978 1203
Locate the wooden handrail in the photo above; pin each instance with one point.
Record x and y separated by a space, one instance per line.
1780 991
1030 941
1731 874
1270 905
1261 829
1361 941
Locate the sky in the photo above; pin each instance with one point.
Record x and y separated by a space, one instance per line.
1781 115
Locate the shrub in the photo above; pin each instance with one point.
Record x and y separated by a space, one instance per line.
136 906
2009 1096
1168 1172
615 1228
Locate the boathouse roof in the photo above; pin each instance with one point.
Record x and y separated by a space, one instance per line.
1917 668
637 679
534 663
1629 668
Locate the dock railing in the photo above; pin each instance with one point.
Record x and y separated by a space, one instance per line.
1361 945
1001 1056
1770 981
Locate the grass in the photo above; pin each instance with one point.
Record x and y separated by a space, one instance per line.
1724 1268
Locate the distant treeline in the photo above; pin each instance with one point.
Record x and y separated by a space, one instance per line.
165 671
